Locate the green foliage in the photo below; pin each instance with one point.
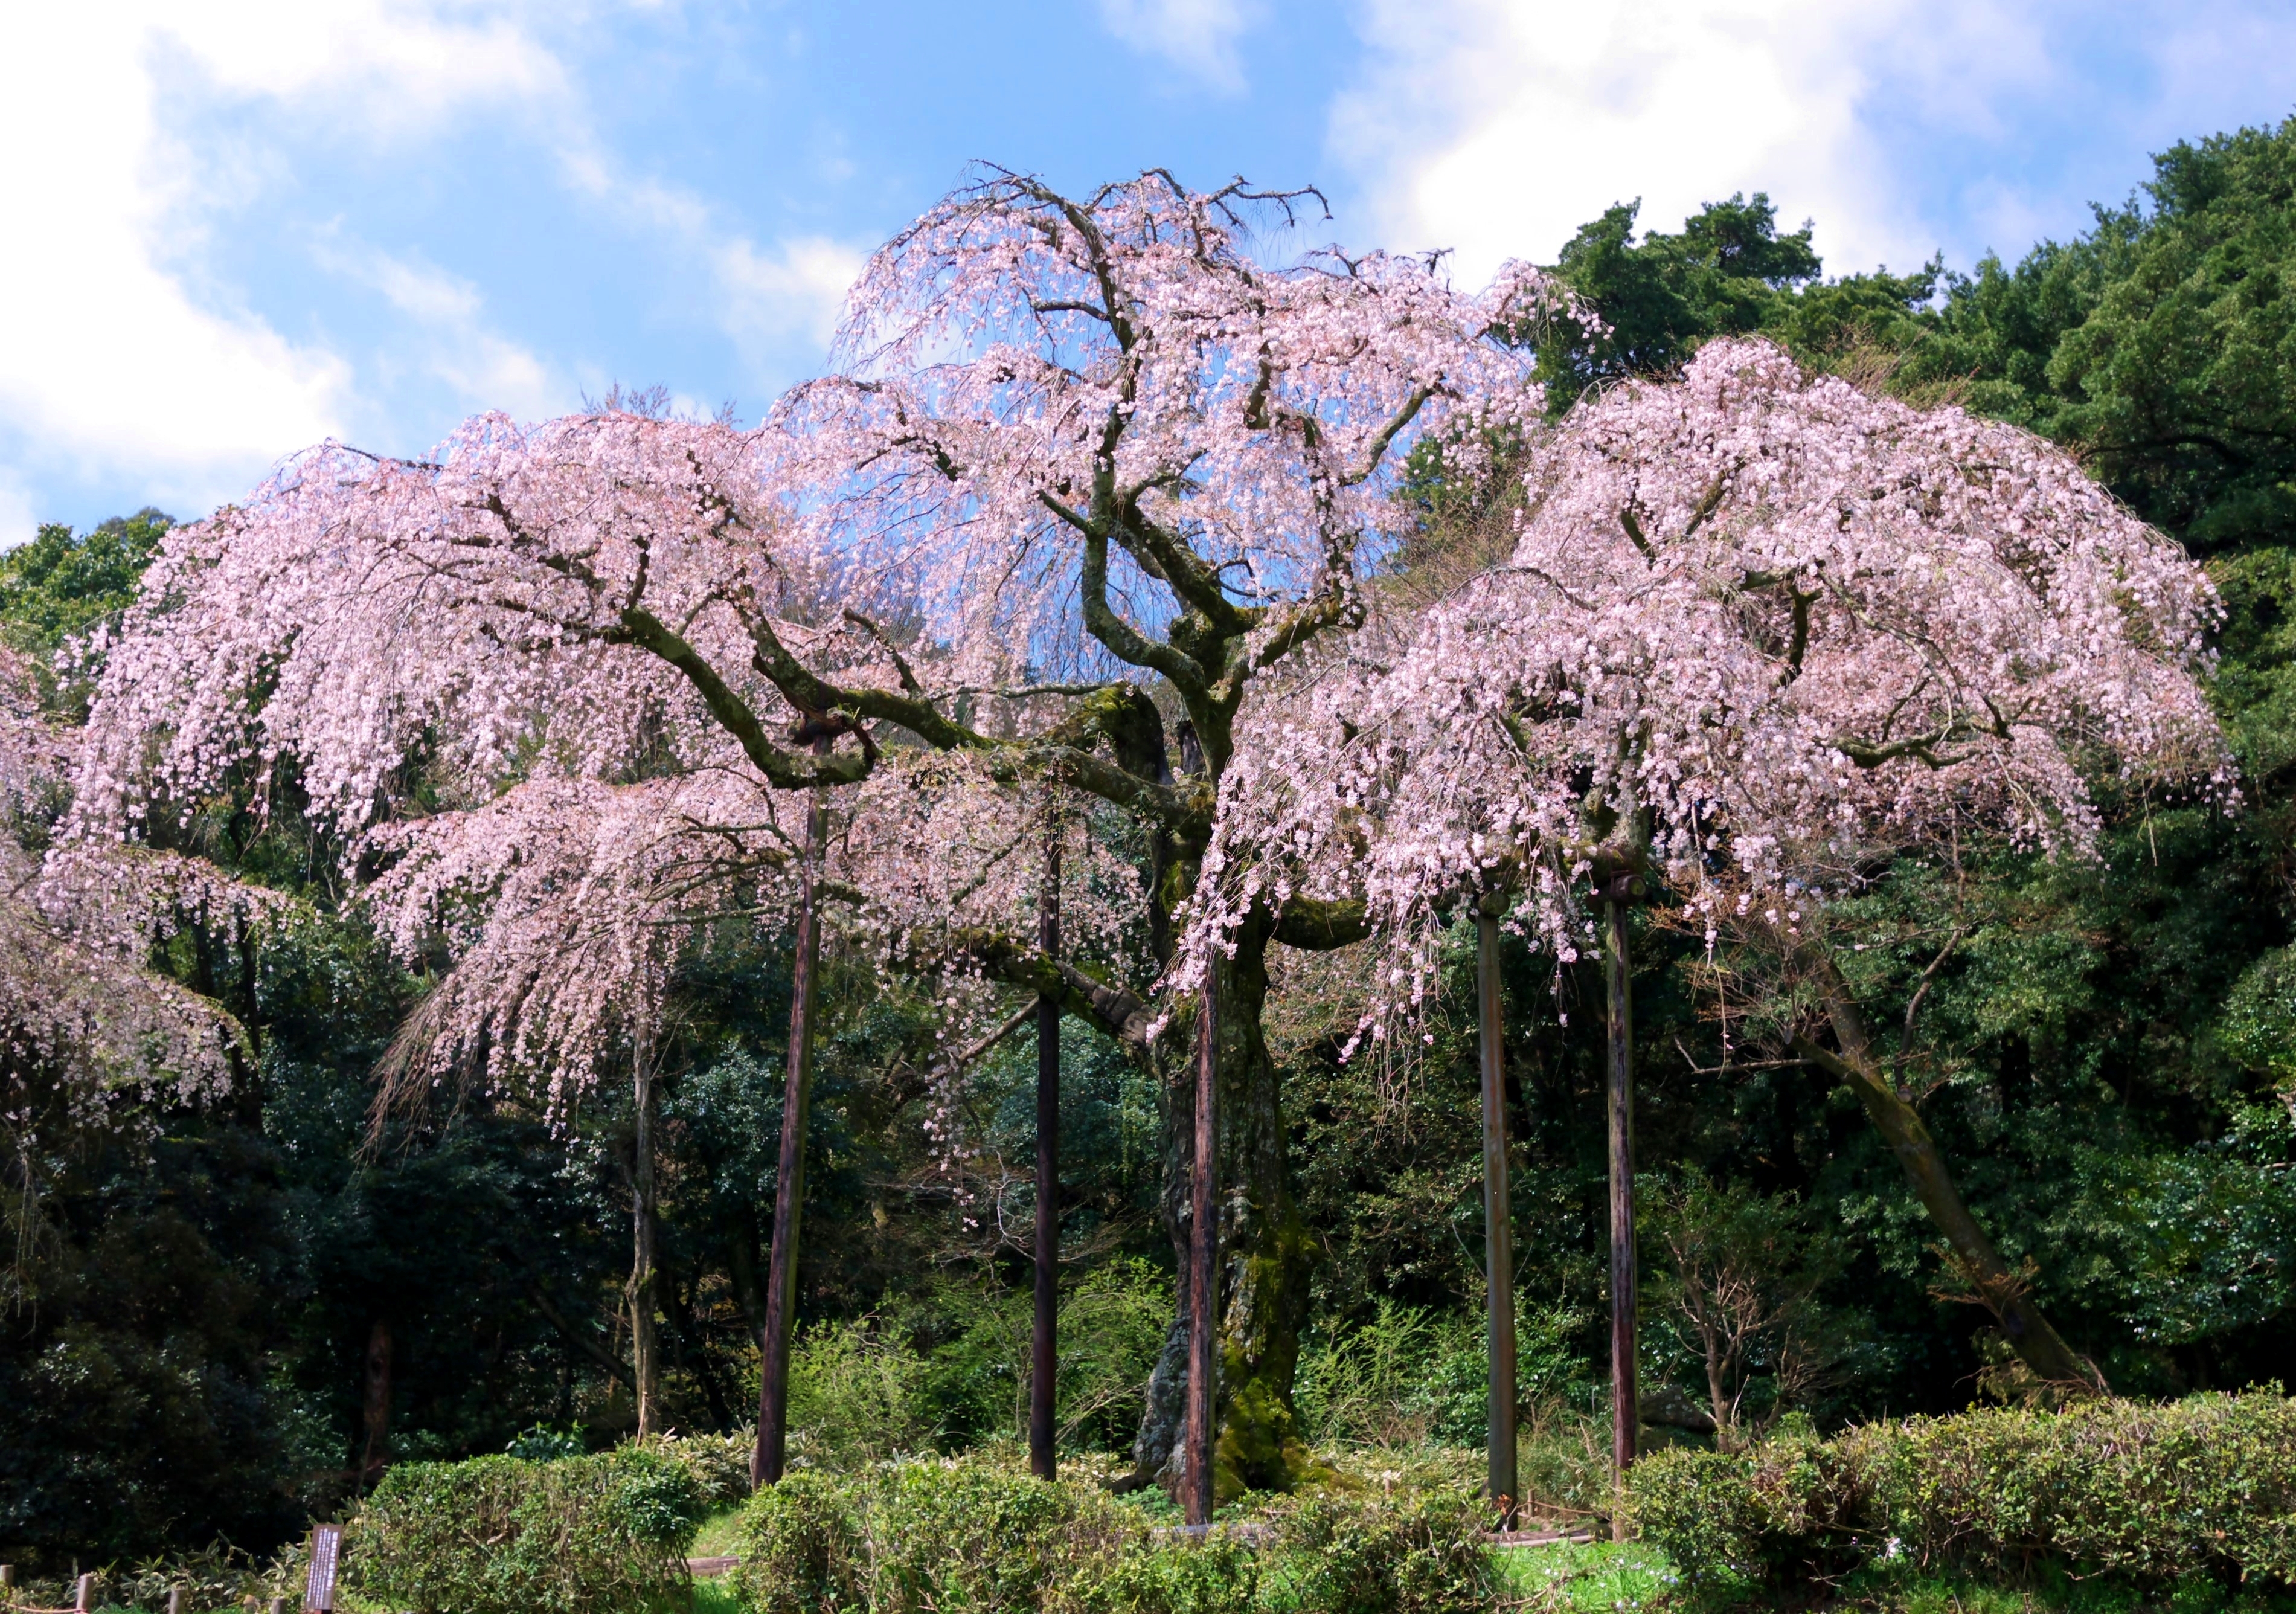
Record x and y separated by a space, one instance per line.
61 584
947 1370
2138 1491
543 1443
1725 271
855 1395
718 1464
1587 1577
969 1536
1735 1293
1421 1552
2259 1026
802 1548
1410 1375
504 1535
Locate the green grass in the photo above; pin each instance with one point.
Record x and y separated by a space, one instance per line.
1903 1589
1598 1577
1587 1577
720 1535
716 1596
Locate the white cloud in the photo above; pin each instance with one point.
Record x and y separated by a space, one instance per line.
796 290
1197 36
19 517
451 342
1497 127
113 355
772 301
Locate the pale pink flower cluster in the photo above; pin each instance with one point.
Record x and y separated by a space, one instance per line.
355 612
552 677
83 1007
1760 633
1042 393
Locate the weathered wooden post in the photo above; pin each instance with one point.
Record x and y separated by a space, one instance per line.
178 1600
1043 1359
767 1461
1619 890
1203 1269
1498 1221
85 1598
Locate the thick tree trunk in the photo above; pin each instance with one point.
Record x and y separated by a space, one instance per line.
1498 1223
767 1460
1620 1018
1901 1127
1265 1256
1044 1355
645 1339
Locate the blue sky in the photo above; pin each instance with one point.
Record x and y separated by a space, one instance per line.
235 228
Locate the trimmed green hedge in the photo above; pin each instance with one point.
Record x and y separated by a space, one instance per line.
969 1537
603 1535
2140 1491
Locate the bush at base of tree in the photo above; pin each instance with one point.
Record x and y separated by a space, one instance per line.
2142 1492
604 1535
971 1536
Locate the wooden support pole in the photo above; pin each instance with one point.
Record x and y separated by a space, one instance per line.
1203 1270
1498 1223
1044 1356
1618 1003
767 1460
85 1598
178 1601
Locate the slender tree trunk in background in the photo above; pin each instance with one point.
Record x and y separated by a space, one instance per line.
1901 1127
1044 1356
766 1462
1620 1022
1203 1266
376 1404
1499 1222
645 1339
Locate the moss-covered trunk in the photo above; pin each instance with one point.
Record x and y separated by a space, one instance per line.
1265 1257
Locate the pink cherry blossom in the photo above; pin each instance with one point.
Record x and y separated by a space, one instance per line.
1759 632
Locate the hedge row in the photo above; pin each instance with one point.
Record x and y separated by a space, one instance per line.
603 1535
2141 1492
963 1536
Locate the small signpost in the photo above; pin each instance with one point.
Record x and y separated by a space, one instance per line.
326 1549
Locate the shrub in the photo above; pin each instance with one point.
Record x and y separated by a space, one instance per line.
506 1536
855 1395
718 1464
2138 1492
1782 1513
1409 1376
802 1549
2141 1491
969 1536
1419 1553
